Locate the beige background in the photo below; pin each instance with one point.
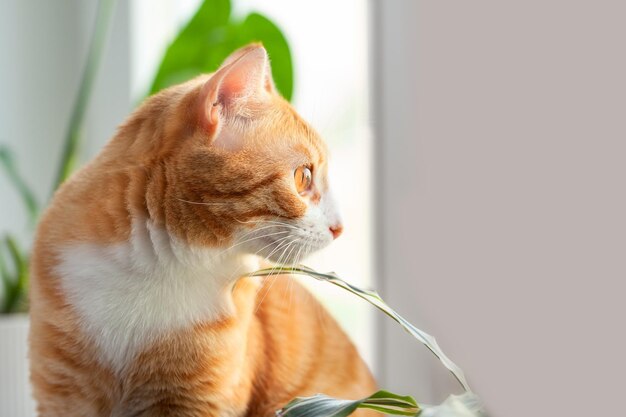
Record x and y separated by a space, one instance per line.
501 134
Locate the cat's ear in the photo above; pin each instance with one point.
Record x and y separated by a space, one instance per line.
268 81
243 81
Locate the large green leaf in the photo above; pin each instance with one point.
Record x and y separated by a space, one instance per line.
211 35
323 405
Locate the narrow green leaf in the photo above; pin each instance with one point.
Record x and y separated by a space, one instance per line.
318 405
373 298
20 282
323 405
28 197
199 46
8 282
388 402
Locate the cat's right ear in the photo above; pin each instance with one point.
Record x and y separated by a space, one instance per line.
243 81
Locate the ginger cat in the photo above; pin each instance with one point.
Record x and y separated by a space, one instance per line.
137 308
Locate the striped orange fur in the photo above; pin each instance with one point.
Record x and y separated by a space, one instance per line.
137 305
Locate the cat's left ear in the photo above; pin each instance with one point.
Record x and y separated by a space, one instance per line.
242 82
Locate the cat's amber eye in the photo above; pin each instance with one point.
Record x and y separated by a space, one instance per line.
303 178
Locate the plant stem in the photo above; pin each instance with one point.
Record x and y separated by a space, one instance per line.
72 139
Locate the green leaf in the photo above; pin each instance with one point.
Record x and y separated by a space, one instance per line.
20 262
27 195
211 35
323 405
259 28
373 298
8 282
16 290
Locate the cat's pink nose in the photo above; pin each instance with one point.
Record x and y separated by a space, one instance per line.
336 230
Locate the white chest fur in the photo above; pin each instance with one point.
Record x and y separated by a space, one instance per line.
127 295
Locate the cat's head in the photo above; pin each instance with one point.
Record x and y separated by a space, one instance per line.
248 173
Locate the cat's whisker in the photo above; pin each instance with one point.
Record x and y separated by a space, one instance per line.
303 253
289 256
254 238
290 283
239 241
280 223
277 248
286 290
248 221
250 232
274 270
278 263
234 274
257 252
272 243
269 221
202 203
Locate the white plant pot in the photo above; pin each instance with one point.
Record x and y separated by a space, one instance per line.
15 392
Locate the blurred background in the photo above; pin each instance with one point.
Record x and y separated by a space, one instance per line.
477 155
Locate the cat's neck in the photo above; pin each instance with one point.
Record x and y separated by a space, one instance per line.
130 294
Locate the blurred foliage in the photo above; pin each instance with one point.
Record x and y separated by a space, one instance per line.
211 35
14 277
200 47
7 162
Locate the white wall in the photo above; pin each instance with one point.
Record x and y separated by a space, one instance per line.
502 227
